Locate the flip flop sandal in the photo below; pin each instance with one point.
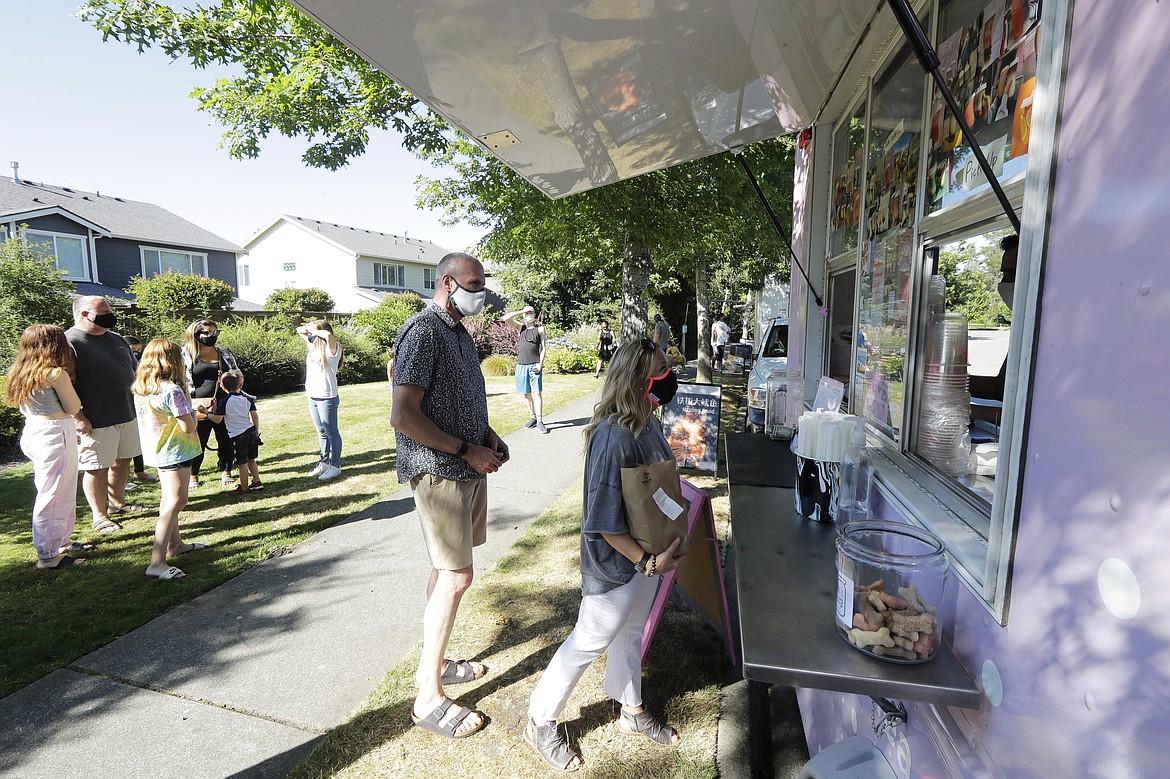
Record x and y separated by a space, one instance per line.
460 671
644 724
65 562
106 526
195 546
551 746
451 729
77 548
129 508
167 575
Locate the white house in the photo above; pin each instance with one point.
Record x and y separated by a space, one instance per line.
357 267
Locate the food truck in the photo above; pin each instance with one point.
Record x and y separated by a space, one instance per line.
1054 511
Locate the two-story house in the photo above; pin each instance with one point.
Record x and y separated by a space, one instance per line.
357 267
101 241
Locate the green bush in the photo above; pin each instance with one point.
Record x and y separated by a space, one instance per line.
364 361
11 423
169 292
382 322
560 360
498 365
272 361
308 299
32 291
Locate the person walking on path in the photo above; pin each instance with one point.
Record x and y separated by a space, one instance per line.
205 363
107 435
322 362
661 333
618 579
445 449
236 409
530 350
40 384
720 336
605 347
170 442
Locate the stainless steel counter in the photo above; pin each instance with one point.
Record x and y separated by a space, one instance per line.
786 581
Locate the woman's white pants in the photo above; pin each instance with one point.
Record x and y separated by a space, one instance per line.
613 620
51 444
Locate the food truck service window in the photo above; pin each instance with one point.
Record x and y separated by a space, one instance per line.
887 251
933 292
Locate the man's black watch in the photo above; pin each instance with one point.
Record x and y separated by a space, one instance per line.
462 449
641 564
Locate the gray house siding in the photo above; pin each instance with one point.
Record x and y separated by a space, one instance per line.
53 223
119 260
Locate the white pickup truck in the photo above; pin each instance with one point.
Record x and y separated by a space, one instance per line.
773 355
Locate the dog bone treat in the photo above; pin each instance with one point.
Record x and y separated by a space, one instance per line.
880 637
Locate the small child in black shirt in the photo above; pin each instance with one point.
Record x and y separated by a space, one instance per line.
237 410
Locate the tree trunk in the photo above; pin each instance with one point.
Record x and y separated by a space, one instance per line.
635 280
702 321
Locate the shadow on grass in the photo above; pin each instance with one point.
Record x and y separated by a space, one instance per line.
516 618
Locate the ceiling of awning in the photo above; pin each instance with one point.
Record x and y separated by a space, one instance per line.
576 95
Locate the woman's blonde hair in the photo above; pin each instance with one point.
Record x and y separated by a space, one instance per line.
320 346
162 360
190 342
42 348
623 397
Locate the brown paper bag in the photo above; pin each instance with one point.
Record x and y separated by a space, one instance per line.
648 522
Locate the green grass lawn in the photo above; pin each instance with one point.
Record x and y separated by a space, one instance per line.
50 618
513 620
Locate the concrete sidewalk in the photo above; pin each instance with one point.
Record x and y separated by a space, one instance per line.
245 679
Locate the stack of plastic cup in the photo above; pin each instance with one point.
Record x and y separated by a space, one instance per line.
945 411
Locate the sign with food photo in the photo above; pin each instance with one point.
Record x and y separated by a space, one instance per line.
691 424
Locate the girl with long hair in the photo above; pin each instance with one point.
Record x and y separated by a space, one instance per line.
322 362
618 579
170 442
40 384
205 363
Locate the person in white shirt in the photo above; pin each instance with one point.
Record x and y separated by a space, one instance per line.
322 362
720 335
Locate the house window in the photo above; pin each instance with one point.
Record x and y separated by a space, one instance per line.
290 267
428 278
156 262
389 275
68 252
245 276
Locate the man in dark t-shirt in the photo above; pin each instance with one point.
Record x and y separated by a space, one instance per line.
107 431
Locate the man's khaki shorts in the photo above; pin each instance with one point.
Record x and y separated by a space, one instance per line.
453 515
106 445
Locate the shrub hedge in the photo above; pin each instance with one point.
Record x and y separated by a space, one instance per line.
561 360
498 365
382 322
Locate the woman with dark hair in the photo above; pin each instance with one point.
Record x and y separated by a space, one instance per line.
322 362
618 578
205 363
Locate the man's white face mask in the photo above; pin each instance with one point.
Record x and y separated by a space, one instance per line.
466 302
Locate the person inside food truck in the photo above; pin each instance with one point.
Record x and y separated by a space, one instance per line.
992 387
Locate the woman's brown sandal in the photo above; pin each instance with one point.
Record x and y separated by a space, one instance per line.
552 746
644 724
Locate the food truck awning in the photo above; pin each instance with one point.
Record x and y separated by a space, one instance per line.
576 95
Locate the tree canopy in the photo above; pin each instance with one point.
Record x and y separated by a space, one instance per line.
294 77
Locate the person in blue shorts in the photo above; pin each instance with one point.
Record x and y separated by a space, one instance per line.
530 363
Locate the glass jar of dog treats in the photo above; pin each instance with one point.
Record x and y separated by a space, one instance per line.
891 581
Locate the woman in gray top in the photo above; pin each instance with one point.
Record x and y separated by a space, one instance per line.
618 579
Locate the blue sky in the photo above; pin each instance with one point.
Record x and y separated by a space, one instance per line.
95 116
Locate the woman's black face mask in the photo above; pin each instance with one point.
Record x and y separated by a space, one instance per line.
208 339
662 388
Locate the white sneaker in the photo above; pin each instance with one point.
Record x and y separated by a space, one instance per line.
330 472
318 469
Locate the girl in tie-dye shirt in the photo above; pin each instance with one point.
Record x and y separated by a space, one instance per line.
167 427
